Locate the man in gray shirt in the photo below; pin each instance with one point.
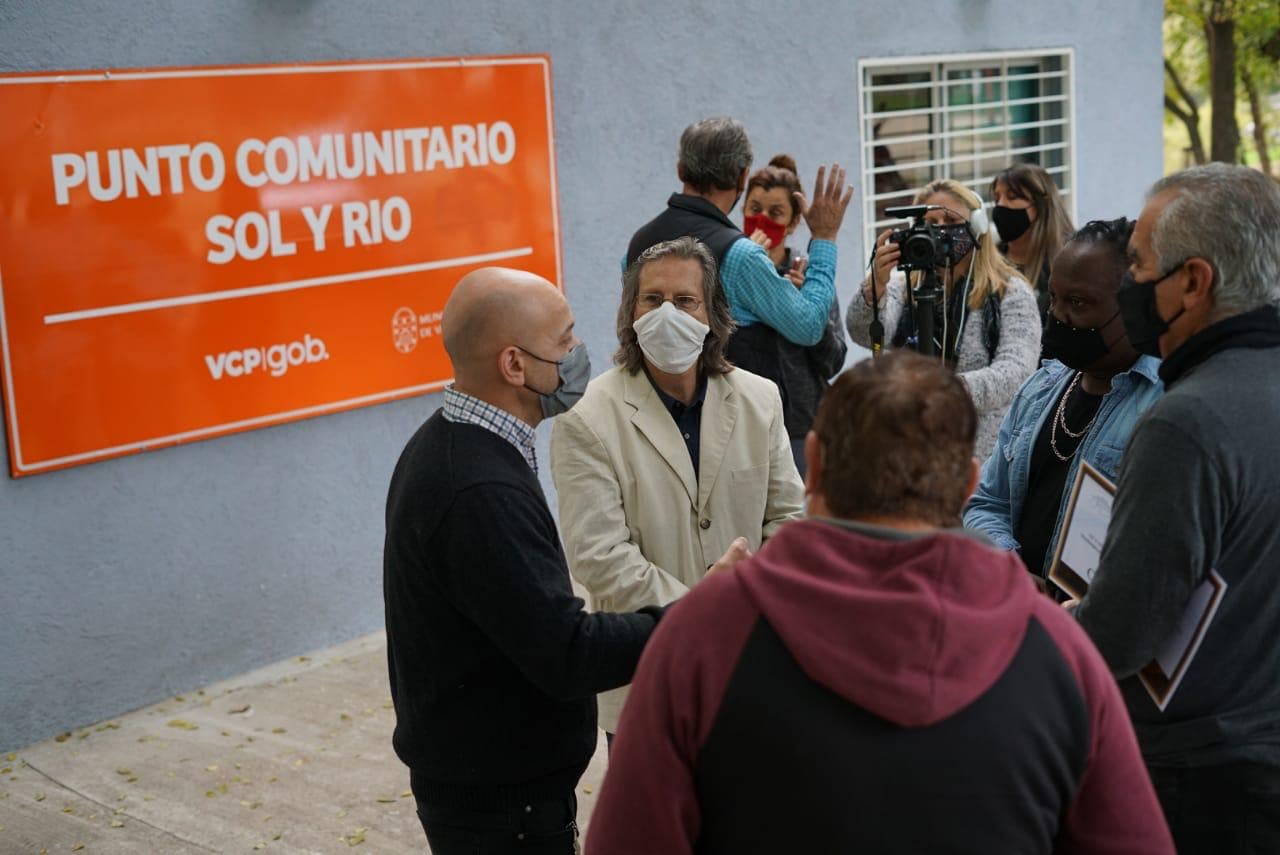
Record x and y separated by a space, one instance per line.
1199 491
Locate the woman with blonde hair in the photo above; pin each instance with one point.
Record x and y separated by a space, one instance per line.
1032 223
986 326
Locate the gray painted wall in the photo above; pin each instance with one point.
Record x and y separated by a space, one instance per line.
126 581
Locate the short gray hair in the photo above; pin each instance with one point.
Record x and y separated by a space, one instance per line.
714 153
719 317
1229 216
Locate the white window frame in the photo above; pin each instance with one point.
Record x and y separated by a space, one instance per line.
937 66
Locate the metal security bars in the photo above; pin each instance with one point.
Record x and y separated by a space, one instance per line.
965 117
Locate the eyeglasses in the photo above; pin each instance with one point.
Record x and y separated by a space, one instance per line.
653 300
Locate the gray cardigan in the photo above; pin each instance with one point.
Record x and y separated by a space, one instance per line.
992 383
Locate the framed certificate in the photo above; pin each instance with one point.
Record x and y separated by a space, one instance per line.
1084 530
1161 676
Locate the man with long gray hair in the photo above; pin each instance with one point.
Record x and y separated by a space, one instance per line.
713 166
1198 504
673 462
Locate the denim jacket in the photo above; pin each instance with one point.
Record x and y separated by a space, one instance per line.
996 505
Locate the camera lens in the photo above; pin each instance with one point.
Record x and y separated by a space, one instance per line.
919 250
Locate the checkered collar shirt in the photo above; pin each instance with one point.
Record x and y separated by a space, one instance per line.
464 409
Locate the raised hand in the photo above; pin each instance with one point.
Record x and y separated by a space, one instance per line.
830 199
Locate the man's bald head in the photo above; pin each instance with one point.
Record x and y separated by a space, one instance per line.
494 308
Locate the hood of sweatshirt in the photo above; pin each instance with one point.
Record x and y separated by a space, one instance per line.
910 630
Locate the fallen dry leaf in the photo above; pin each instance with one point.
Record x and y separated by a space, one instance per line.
240 710
406 794
124 772
183 724
115 823
62 737
277 730
77 847
39 797
386 801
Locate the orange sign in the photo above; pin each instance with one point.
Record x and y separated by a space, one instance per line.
192 252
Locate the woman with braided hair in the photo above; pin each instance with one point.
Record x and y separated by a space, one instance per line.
1081 405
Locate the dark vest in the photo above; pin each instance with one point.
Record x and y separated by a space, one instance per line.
754 348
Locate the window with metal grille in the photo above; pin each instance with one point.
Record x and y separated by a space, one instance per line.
964 117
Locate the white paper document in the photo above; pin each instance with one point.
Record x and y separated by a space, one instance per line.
1084 530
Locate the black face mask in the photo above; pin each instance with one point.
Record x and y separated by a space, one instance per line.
1140 313
1075 347
1011 223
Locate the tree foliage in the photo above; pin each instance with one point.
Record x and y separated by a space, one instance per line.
1220 51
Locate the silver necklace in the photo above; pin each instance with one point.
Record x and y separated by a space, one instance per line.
1061 418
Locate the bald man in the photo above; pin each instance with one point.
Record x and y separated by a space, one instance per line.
494 662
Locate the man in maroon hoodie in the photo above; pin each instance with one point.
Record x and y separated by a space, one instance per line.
875 679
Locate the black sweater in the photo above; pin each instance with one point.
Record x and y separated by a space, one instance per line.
494 664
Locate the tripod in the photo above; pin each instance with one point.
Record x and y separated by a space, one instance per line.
926 295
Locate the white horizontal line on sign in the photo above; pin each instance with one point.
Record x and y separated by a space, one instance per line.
230 427
278 287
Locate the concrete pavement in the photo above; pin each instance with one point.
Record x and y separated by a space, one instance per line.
295 757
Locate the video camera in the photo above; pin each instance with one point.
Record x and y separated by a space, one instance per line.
924 246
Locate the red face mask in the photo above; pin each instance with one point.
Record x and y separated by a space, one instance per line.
776 232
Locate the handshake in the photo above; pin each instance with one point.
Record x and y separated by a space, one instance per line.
737 551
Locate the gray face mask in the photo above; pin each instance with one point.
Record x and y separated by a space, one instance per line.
574 372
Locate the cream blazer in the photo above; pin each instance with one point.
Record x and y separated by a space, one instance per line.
638 528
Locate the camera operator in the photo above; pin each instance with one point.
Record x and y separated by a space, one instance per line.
985 323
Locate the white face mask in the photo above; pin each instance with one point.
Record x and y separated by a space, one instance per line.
670 338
